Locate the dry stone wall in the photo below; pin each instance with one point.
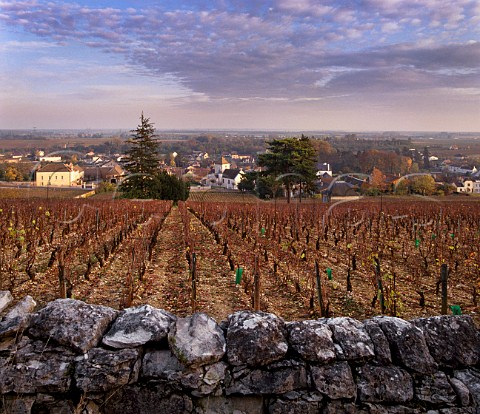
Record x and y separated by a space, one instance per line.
72 357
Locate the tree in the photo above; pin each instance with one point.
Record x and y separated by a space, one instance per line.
423 184
247 183
142 162
323 148
290 161
402 187
145 179
12 174
170 187
377 180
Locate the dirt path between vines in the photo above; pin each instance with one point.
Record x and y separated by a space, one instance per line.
166 283
217 294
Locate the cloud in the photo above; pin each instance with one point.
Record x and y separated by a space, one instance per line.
283 49
304 7
15 45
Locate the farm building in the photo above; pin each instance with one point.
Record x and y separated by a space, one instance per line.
59 175
110 172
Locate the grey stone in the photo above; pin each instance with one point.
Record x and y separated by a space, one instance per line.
453 341
292 395
229 405
5 299
384 384
197 340
380 342
16 405
311 396
471 379
45 403
407 344
190 379
463 394
150 399
72 323
101 370
255 338
312 340
434 389
22 308
137 326
334 407
10 327
17 318
352 338
456 410
334 380
280 406
37 367
391 409
164 365
211 378
214 373
279 380
160 364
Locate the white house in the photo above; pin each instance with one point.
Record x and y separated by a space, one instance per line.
231 178
215 176
461 170
50 159
469 186
323 170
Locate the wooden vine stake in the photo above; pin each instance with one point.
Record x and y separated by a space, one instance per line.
194 281
319 290
61 273
256 287
443 280
378 276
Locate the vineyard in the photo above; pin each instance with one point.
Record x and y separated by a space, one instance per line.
405 257
42 192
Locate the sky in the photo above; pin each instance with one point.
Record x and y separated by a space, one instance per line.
300 65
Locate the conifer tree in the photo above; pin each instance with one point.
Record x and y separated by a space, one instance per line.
145 179
142 162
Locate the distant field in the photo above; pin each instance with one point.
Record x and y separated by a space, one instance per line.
40 193
9 144
223 197
67 142
239 197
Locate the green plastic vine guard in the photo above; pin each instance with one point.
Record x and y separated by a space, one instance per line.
329 273
456 309
238 275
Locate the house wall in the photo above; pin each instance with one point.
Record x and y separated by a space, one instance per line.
469 187
220 168
58 179
231 184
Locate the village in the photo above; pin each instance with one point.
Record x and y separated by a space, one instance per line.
451 172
